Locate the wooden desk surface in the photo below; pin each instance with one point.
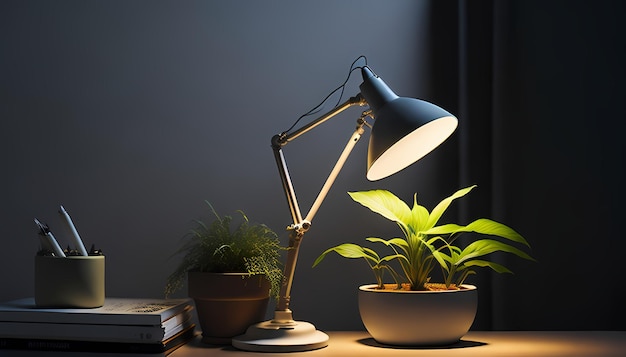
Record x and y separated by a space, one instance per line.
475 343
360 344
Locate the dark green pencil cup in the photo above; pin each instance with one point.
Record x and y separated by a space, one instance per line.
70 282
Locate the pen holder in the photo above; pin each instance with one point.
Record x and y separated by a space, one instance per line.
70 282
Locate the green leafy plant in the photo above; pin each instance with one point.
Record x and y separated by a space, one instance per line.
217 247
426 245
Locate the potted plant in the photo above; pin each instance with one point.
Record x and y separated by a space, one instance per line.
231 274
413 310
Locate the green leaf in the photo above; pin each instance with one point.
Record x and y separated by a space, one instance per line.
392 257
442 258
393 241
430 242
487 226
384 203
438 211
444 229
487 246
419 217
483 263
349 250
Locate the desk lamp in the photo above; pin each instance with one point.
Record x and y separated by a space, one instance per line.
404 130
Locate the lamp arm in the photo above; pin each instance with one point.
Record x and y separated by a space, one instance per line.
284 138
337 168
280 140
290 193
299 227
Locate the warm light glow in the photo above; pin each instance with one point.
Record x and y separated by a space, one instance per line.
412 147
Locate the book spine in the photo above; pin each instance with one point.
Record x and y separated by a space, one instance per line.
79 346
97 333
116 311
165 347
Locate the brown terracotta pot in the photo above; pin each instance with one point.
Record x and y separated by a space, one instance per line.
227 303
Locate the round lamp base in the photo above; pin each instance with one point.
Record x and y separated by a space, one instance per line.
269 336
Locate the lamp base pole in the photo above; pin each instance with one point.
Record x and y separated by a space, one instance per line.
272 336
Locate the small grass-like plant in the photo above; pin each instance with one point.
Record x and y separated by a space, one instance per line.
217 247
426 245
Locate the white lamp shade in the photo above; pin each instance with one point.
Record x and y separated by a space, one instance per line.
405 129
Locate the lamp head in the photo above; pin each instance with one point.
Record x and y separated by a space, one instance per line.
405 129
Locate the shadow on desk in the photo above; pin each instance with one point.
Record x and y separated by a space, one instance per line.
464 343
461 344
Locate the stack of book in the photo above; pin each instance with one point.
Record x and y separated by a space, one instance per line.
120 325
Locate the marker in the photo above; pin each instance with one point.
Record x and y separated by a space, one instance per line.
51 242
77 241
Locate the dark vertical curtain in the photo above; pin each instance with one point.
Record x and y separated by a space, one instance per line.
461 60
539 91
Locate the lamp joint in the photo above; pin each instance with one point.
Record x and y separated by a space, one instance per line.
358 100
360 122
300 228
279 140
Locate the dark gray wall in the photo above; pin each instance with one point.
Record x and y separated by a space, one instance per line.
132 113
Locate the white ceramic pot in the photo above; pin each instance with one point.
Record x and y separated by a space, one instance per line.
417 318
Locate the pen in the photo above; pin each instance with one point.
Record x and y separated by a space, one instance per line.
77 241
51 242
43 237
